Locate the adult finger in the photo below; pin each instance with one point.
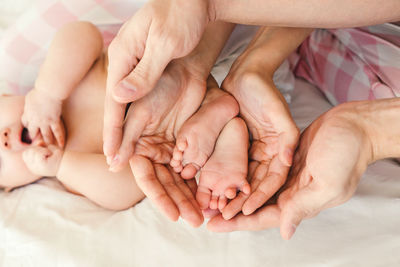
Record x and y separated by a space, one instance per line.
236 204
120 62
194 218
288 133
192 185
145 75
287 145
133 128
270 184
186 209
146 179
302 204
114 113
264 218
158 153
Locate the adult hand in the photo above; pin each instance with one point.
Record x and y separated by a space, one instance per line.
172 195
151 125
333 153
160 31
273 132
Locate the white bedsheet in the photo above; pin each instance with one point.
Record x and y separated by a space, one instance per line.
43 225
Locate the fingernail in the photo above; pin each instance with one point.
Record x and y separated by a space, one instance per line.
115 160
126 85
108 159
246 211
291 232
114 163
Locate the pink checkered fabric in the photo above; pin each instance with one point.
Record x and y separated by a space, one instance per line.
24 45
353 64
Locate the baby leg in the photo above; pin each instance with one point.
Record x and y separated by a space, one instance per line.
196 139
226 170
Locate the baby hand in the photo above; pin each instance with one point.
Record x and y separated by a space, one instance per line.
42 112
43 161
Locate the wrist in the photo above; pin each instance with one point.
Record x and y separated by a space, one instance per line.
196 64
45 94
353 118
383 127
378 122
202 59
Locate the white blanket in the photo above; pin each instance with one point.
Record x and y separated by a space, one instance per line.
43 225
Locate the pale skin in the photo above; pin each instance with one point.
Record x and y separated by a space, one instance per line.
351 135
136 63
73 68
153 149
197 148
265 111
184 84
346 136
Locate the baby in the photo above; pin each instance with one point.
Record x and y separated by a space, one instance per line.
66 108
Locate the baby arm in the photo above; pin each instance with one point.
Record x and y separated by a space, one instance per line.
72 52
88 174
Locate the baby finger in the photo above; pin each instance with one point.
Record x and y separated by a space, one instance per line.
59 133
47 134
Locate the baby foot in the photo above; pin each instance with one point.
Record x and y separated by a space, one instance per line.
196 139
226 170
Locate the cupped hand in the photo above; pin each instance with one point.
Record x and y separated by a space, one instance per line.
160 31
162 112
42 113
273 132
149 132
333 153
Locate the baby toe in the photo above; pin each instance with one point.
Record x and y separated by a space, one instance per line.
203 196
214 202
222 202
230 193
245 188
189 171
175 163
177 154
181 144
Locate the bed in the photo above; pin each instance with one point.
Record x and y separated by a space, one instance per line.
43 225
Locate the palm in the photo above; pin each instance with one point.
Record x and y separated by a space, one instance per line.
156 119
175 98
265 112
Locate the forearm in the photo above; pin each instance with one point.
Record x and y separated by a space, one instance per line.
207 51
88 174
382 119
306 13
71 54
272 45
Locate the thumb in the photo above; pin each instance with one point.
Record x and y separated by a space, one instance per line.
287 145
144 76
286 127
303 204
